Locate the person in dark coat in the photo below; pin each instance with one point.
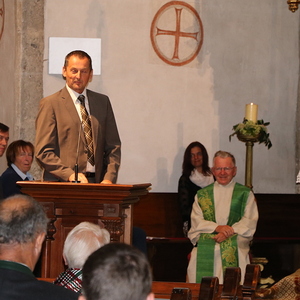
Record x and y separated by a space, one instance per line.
4 137
23 225
19 157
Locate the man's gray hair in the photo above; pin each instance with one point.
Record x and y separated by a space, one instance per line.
224 154
82 240
22 219
117 271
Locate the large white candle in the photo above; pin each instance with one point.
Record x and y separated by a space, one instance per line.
251 112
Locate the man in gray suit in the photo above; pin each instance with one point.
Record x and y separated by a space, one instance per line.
60 134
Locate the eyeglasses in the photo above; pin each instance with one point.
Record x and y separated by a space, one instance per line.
227 169
4 138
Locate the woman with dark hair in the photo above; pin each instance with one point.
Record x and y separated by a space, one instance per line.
19 156
196 174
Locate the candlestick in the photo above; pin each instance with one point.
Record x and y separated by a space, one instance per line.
251 112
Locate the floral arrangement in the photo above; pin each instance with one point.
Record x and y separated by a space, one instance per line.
255 131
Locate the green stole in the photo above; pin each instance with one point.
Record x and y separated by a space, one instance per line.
206 245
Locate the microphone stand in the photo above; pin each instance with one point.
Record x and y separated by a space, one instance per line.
76 164
76 174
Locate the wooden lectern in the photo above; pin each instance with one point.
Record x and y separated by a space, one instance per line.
67 204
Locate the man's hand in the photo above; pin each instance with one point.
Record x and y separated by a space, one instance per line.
106 181
225 229
220 237
81 178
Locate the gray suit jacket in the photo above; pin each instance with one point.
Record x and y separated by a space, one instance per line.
60 139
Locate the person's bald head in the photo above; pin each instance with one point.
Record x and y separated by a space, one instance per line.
22 219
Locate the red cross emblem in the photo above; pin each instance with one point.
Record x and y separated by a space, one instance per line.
176 33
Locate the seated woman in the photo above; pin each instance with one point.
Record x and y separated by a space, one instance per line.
196 174
19 155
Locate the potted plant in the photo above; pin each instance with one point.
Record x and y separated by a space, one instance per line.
250 131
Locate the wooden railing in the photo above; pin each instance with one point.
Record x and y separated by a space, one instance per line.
209 289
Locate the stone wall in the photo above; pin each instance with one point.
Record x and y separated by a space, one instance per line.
24 30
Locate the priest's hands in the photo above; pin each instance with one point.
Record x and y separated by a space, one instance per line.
225 229
220 237
224 232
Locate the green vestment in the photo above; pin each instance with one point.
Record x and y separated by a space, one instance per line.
206 245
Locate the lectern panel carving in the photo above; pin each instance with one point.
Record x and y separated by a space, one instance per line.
116 228
111 210
51 230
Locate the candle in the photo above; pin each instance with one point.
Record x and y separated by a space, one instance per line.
251 112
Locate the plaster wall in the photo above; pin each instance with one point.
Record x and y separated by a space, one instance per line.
250 53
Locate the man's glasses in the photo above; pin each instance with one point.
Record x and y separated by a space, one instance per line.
3 138
227 169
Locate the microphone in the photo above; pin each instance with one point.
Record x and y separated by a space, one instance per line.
77 154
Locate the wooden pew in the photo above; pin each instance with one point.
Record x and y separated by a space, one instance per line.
232 279
209 289
164 290
251 281
51 280
181 294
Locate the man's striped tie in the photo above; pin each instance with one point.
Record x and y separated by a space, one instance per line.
87 129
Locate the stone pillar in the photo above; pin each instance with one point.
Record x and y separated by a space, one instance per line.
297 138
29 68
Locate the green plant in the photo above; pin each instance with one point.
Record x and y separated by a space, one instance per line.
250 129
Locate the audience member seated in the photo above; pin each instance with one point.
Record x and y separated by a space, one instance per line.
287 288
117 271
196 174
4 137
81 241
19 157
139 239
23 225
